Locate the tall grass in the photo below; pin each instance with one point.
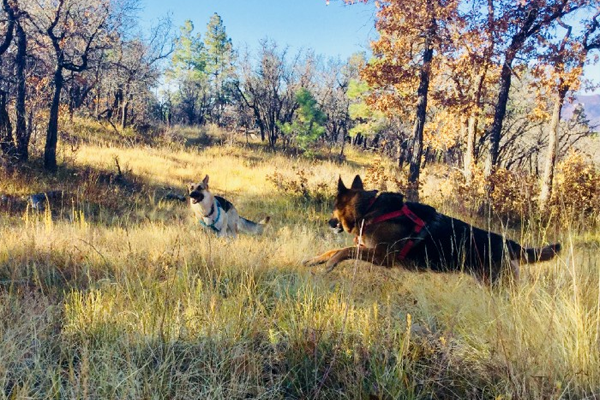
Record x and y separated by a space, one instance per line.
130 298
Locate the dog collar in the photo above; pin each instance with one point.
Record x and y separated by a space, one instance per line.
418 228
212 210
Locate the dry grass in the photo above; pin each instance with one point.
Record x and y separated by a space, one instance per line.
118 293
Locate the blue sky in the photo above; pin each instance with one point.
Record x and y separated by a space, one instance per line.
333 30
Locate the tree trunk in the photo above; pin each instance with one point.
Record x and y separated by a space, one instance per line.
52 132
500 110
124 108
469 157
7 144
412 193
22 134
548 175
517 42
344 133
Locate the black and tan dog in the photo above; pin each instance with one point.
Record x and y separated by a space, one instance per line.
391 232
218 214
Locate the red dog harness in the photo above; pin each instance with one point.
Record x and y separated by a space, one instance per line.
403 212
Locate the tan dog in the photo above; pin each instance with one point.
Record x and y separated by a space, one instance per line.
218 214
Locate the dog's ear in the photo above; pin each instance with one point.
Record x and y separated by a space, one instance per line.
205 180
341 187
357 183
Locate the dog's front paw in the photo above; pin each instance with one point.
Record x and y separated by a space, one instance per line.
321 259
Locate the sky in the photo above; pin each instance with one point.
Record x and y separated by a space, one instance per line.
332 30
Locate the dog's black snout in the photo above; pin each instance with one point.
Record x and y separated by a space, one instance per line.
334 224
196 195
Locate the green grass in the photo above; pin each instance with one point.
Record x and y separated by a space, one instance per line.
118 293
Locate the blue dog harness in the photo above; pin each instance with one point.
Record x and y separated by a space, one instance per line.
212 225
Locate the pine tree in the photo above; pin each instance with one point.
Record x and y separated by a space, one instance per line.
307 127
220 59
189 72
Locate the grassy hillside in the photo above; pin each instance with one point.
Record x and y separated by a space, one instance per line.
114 291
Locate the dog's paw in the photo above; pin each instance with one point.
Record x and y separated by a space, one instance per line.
321 259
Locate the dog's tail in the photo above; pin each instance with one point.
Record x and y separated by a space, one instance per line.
532 255
256 228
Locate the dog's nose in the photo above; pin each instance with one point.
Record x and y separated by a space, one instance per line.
334 224
196 195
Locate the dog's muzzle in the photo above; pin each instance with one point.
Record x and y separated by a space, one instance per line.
196 197
335 224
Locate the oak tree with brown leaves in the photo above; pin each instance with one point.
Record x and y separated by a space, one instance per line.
517 25
560 72
411 32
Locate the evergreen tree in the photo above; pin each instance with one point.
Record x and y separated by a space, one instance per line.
307 127
189 72
220 59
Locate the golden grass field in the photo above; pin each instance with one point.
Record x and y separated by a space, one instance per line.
115 292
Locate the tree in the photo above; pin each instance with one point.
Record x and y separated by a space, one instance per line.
268 88
516 25
332 94
308 126
220 59
410 32
7 145
367 120
188 71
22 134
561 72
136 69
464 80
76 29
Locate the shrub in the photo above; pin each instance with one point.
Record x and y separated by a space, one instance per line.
381 178
300 186
576 186
511 197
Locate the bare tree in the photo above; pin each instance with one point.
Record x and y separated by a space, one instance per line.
7 145
332 89
76 29
268 88
136 71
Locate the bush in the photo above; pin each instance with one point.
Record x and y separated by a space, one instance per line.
381 178
576 192
512 194
576 187
300 186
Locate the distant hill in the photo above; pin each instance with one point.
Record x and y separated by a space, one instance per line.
591 105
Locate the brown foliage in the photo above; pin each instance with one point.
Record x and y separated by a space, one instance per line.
300 186
510 196
381 178
513 196
577 186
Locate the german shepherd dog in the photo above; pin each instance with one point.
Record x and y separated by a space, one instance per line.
218 214
389 232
